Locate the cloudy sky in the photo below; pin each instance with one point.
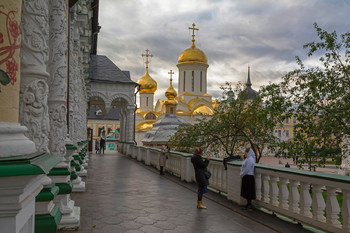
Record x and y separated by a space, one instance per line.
266 34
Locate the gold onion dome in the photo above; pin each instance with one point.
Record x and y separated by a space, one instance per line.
193 54
171 93
148 84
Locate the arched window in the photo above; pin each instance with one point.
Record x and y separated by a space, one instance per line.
184 80
192 80
201 82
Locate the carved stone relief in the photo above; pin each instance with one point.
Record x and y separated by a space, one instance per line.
34 56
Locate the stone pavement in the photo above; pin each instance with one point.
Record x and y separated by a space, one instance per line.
123 195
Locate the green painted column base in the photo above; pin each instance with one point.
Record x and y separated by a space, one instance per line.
48 223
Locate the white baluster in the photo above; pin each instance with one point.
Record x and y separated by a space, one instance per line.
332 207
305 199
346 209
258 185
220 171
273 191
318 203
265 188
293 196
283 193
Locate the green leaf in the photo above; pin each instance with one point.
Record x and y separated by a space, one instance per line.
4 78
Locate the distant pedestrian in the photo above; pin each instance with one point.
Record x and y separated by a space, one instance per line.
162 158
97 145
200 168
287 165
102 145
247 175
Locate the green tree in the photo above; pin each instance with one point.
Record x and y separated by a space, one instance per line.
319 97
236 122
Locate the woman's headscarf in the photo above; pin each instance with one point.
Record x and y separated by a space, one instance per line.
251 153
198 151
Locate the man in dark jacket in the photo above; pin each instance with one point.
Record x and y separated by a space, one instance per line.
200 167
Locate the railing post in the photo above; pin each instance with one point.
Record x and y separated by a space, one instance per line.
346 209
148 157
265 188
234 182
318 203
139 154
332 207
258 185
273 191
305 199
283 193
293 196
186 169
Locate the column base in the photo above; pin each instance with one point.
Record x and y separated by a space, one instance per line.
70 221
48 223
78 185
82 173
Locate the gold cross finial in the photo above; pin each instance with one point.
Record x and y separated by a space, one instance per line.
171 75
147 55
193 28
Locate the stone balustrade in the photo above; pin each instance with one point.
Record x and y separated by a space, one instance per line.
306 197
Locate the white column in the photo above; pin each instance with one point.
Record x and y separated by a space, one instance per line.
130 124
34 89
57 108
58 77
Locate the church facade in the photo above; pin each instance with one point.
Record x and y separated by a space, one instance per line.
193 101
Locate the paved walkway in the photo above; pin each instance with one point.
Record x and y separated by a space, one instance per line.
123 195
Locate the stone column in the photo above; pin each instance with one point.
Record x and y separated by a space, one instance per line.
34 76
130 123
58 113
73 63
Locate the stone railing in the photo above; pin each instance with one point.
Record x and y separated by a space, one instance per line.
304 196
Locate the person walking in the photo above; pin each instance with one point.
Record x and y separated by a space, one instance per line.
102 145
97 145
247 175
200 168
162 158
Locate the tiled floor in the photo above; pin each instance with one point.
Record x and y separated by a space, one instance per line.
123 195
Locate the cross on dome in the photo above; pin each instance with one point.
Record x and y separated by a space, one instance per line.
147 55
193 29
171 75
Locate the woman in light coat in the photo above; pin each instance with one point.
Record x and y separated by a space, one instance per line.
248 180
162 158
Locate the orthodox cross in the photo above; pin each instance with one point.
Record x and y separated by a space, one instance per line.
171 75
147 55
193 28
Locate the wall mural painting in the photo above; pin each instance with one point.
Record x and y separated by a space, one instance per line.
10 41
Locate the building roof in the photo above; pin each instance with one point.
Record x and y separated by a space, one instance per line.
104 70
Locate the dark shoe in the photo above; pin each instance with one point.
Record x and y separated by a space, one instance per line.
249 207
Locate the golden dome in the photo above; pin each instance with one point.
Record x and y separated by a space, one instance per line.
148 84
193 55
171 93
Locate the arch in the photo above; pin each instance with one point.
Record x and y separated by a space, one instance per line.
98 94
127 98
